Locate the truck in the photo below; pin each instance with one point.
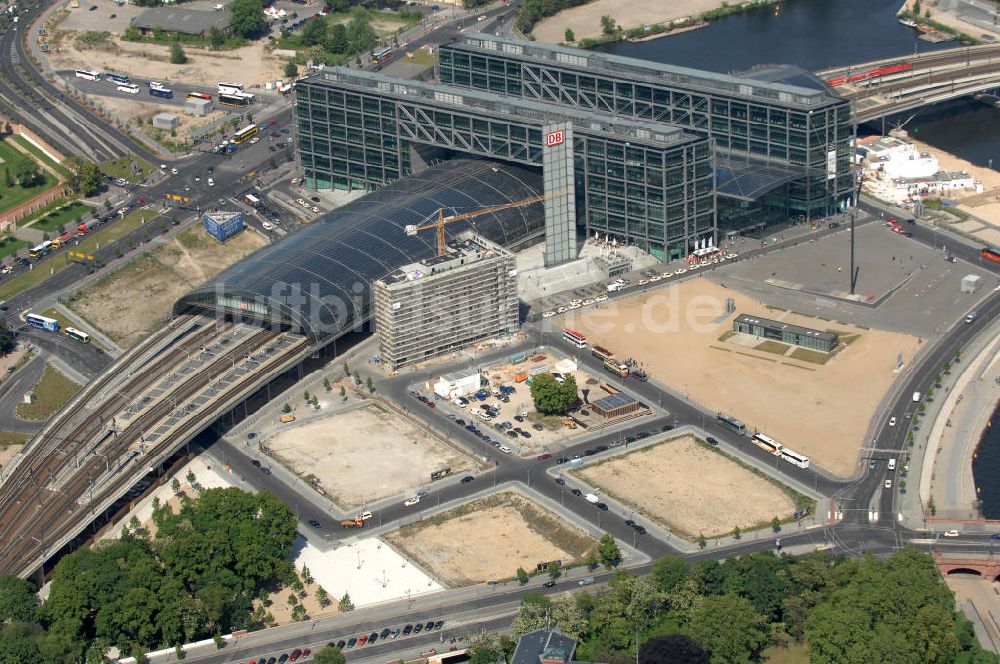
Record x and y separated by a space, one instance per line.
356 522
638 374
616 367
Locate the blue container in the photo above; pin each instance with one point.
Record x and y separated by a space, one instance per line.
223 225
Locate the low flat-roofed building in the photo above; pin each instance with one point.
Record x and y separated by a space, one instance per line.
615 405
457 384
180 20
775 330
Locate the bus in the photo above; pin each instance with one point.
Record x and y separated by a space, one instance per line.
234 100
77 335
575 338
616 367
231 88
252 200
381 55
245 134
767 444
89 75
42 322
731 423
116 78
600 352
130 88
41 249
166 93
794 458
991 254
199 95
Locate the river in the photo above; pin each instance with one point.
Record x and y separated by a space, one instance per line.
818 34
986 469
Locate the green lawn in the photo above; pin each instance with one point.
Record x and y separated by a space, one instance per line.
770 346
9 245
53 222
121 168
12 438
104 236
52 391
41 156
808 355
11 197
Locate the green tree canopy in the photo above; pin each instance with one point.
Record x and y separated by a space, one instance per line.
17 597
729 627
672 649
247 17
25 170
552 398
608 550
329 655
177 55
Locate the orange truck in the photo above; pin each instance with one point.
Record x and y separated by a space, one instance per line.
356 522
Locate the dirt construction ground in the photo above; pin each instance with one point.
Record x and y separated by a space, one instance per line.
365 455
667 483
130 302
585 20
489 539
820 410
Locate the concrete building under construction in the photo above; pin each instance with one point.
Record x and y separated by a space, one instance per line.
446 303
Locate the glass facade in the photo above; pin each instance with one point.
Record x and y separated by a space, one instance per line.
646 185
794 126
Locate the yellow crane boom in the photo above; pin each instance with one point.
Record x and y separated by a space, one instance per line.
443 221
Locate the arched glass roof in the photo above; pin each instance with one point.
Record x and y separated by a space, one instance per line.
317 281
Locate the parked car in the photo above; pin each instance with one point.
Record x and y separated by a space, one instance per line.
467 479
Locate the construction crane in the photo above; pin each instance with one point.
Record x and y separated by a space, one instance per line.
442 220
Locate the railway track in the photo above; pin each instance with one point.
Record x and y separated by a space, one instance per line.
34 520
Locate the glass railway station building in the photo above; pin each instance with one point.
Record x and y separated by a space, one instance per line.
657 156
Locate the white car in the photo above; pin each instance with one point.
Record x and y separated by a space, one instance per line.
410 502
267 225
315 209
600 298
561 310
888 484
587 302
211 182
575 305
730 256
254 140
548 314
643 282
7 269
950 533
666 275
173 171
365 516
680 271
302 202
892 421
655 277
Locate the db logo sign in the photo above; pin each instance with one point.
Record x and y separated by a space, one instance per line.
554 138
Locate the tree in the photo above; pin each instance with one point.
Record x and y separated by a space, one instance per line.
177 55
286 409
247 17
672 649
17 600
306 575
343 392
729 628
370 385
7 341
702 542
190 477
608 550
568 36
8 181
323 597
737 533
345 603
568 615
530 617
337 42
291 70
552 398
216 38
357 378
591 561
329 655
26 170
553 569
522 576
326 384
347 370
175 485
775 524
669 572
314 32
608 25
306 397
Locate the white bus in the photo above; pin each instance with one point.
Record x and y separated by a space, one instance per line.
575 338
130 88
231 88
767 444
77 335
794 458
732 423
89 75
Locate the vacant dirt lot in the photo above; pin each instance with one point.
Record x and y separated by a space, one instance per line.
821 411
689 488
365 455
489 539
585 20
141 112
128 303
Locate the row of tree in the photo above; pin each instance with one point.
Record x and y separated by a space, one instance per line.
337 39
533 11
205 571
847 611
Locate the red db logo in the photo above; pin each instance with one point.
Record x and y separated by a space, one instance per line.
554 138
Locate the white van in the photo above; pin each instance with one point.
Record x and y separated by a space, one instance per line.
892 464
505 449
916 397
592 498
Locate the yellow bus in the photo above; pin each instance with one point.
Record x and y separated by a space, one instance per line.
245 134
